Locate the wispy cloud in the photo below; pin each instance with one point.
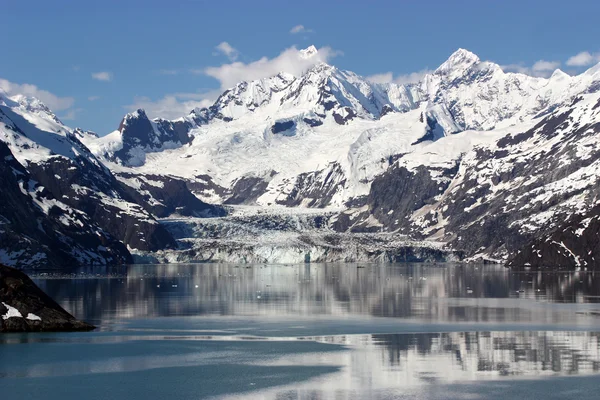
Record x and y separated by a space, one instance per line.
102 76
545 66
93 98
583 59
228 50
56 103
289 61
70 115
402 79
173 105
300 29
541 68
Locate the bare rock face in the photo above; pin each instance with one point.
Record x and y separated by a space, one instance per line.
576 243
26 308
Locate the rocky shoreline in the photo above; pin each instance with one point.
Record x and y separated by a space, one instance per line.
26 308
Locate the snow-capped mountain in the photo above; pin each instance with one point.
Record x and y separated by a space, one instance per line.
502 194
60 205
473 158
278 129
398 158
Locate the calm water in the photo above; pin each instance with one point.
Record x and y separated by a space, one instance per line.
344 331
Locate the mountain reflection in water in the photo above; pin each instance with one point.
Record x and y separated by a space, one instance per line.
335 331
442 293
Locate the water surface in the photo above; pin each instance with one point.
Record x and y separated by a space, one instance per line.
313 331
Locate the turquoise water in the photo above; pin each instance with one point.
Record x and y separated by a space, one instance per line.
340 331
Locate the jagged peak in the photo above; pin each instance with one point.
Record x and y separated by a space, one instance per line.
320 67
30 103
139 113
559 74
308 52
459 60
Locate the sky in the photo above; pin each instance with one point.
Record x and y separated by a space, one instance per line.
92 62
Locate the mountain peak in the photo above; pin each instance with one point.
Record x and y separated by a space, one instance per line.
308 52
460 59
139 113
31 104
559 74
134 118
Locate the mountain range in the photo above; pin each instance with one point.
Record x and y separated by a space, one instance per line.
470 163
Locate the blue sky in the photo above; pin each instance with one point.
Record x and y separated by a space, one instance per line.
94 61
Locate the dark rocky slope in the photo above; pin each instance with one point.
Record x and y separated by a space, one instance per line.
166 195
25 308
576 243
31 238
86 185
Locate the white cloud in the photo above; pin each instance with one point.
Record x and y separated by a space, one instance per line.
102 76
174 105
388 77
413 77
228 50
541 68
53 101
543 65
583 59
300 29
93 98
289 61
520 68
385 77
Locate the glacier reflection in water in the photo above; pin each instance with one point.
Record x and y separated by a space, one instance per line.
442 293
337 331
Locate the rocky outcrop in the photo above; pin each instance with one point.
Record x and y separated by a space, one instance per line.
140 135
314 189
400 192
25 308
164 196
247 189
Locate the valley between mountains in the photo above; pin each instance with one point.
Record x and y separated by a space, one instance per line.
470 164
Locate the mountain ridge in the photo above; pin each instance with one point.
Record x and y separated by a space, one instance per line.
472 157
